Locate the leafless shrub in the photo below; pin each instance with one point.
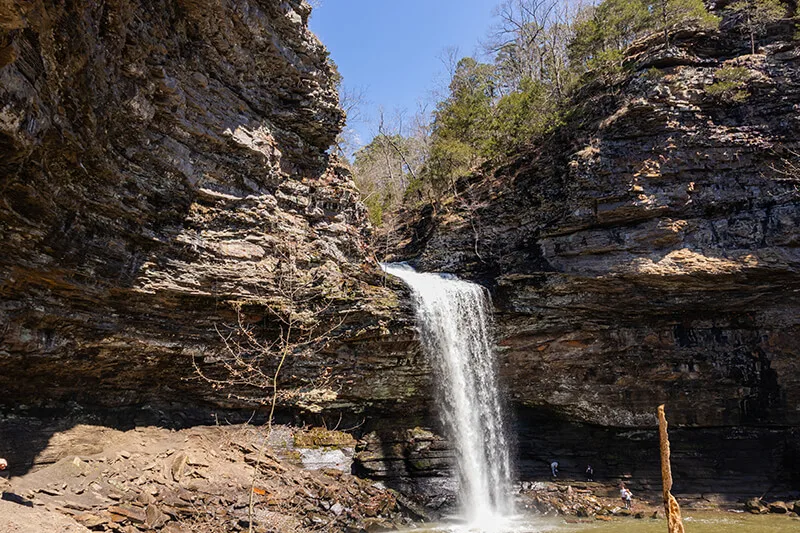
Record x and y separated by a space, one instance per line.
296 301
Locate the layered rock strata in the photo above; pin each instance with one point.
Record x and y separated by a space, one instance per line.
647 253
163 165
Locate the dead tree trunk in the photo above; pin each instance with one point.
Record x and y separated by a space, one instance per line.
671 507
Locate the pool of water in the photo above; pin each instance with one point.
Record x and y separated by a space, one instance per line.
699 522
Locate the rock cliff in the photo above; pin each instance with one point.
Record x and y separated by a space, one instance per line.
646 253
164 164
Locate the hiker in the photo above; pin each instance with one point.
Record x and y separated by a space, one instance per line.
626 496
554 468
589 473
3 475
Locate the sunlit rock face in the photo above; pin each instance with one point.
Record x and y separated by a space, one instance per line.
647 253
160 160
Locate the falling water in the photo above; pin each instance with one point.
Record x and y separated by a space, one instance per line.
453 321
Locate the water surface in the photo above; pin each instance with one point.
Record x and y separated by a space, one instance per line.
701 522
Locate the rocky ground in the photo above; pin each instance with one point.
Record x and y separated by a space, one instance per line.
198 480
192 480
601 501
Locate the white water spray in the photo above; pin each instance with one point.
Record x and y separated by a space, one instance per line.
453 320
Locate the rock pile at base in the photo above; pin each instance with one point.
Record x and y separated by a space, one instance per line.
194 480
592 501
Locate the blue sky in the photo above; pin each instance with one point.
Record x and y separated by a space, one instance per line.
392 48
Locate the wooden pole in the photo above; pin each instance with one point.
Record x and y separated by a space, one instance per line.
671 507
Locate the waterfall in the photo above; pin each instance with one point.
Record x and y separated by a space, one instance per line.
453 319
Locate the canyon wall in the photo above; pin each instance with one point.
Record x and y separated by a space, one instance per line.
163 165
644 253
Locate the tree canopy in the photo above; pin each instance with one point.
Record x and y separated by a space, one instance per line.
537 55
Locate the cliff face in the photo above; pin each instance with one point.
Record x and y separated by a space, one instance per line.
648 253
162 162
159 161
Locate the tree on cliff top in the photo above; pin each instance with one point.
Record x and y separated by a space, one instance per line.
461 128
673 14
756 15
604 31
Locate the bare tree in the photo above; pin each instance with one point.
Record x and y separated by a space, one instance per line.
520 34
789 168
756 16
353 102
393 143
250 363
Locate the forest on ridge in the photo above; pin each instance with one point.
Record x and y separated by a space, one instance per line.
537 57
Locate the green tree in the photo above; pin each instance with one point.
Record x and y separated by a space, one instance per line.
522 116
462 124
465 114
756 15
603 32
730 85
676 13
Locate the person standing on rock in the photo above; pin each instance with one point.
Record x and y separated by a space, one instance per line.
626 495
589 473
554 469
3 480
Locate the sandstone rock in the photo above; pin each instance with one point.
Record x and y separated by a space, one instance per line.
178 466
91 520
778 507
756 506
135 514
753 503
163 172
646 253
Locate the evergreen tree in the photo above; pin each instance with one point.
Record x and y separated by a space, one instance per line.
756 15
462 124
675 13
522 116
606 30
